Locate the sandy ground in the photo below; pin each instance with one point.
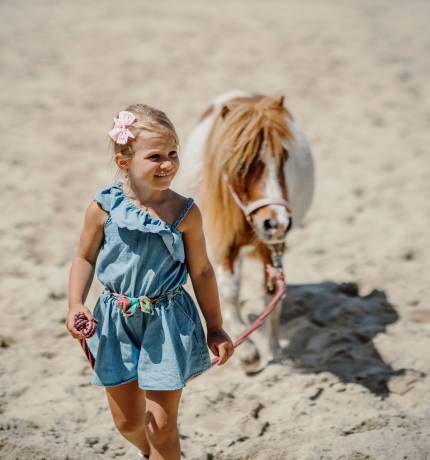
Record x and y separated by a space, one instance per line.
355 382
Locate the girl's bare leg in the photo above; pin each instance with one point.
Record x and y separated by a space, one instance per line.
161 424
128 406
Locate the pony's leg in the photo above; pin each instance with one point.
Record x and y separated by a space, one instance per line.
274 349
229 286
268 333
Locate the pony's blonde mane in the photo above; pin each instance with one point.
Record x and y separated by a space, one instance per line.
240 130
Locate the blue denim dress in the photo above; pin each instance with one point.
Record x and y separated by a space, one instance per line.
142 255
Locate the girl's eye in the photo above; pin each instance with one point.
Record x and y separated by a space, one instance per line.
173 153
154 157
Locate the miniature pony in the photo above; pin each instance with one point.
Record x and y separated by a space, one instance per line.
251 172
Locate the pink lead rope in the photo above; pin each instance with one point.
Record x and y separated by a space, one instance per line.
280 277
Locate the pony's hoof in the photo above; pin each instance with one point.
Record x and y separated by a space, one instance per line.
249 357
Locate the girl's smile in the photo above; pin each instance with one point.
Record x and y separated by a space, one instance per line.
164 174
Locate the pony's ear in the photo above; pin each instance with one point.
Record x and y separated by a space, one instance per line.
280 101
224 111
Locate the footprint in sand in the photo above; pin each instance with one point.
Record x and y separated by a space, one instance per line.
6 341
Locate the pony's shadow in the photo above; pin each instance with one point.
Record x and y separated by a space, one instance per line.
329 328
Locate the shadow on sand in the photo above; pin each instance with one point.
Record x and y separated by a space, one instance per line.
330 328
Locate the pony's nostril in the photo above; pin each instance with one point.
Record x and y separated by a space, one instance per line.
270 224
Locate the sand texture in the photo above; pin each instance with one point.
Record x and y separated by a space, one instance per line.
355 381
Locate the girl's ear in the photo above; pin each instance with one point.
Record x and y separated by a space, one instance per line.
121 161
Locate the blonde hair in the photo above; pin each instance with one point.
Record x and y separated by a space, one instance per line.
148 119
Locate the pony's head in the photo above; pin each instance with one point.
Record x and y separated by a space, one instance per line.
245 170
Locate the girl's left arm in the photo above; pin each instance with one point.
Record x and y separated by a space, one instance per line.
204 283
200 269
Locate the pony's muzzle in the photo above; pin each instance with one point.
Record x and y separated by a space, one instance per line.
271 229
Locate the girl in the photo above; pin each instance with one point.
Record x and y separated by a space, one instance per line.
149 339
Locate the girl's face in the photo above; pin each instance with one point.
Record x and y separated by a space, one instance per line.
155 161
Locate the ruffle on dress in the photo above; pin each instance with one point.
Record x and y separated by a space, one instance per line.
127 215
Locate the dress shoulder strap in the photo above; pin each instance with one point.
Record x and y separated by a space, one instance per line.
184 212
104 196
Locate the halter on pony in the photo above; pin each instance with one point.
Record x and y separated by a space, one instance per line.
254 205
275 249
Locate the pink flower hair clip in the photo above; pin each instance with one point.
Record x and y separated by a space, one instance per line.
120 132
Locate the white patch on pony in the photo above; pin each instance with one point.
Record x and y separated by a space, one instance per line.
225 97
272 189
188 178
299 174
228 283
229 287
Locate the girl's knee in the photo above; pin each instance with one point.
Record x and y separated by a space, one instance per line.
161 416
161 431
127 405
129 425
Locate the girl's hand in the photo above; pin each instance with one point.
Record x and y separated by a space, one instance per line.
220 344
70 320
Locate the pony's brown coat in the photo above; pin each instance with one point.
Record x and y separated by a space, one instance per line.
233 147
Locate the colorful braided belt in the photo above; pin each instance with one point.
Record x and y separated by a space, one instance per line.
130 305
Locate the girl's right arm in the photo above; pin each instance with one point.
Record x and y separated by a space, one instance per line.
83 264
